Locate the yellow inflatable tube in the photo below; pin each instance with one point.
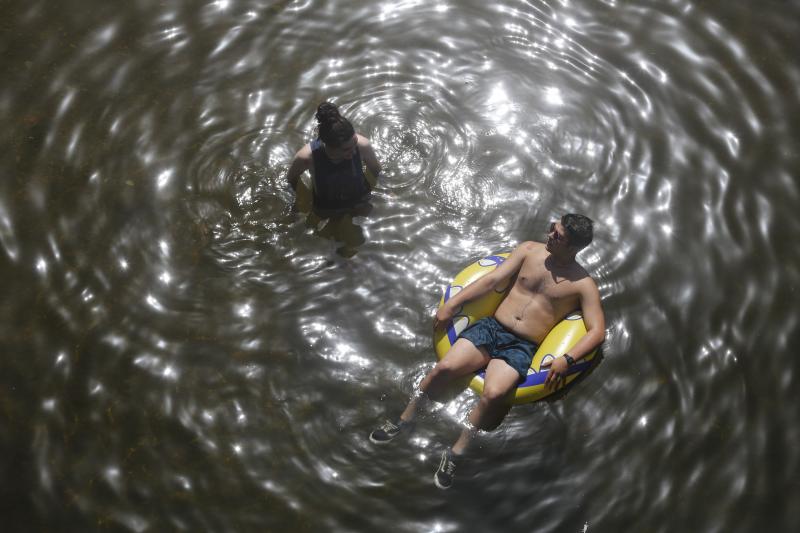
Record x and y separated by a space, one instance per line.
560 339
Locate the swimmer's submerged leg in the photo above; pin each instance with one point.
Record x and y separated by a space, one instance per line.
418 400
499 386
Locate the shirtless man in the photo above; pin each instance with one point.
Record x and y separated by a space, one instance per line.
548 285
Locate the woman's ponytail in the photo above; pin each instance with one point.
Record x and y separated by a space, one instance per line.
334 129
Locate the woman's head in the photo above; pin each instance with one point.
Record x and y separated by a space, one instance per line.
334 129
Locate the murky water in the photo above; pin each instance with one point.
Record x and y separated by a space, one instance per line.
183 349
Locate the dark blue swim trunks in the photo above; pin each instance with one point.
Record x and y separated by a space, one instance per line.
502 344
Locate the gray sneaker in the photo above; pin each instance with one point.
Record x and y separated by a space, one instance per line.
388 431
447 469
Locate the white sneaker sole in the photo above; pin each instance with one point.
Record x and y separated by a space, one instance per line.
380 442
436 482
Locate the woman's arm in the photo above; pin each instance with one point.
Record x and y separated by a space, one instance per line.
368 155
300 163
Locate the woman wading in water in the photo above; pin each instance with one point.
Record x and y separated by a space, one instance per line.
339 186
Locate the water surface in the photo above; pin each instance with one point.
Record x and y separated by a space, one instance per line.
185 350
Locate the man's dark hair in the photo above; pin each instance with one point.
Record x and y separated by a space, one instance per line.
579 230
334 129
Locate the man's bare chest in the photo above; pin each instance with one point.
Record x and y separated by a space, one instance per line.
540 281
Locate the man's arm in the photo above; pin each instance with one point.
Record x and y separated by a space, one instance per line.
595 321
368 156
300 163
484 285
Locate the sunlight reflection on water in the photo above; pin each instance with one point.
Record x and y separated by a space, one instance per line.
188 348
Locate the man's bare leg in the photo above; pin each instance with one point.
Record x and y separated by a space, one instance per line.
462 359
498 387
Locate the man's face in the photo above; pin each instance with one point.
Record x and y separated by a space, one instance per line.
346 150
556 237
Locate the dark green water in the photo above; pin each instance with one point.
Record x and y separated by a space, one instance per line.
182 351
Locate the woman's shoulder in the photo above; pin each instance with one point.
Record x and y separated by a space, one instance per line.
304 153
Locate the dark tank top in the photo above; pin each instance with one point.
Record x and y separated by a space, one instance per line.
337 185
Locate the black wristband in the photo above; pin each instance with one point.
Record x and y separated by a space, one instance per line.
570 360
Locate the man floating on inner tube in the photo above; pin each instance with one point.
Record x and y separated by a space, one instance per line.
548 284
